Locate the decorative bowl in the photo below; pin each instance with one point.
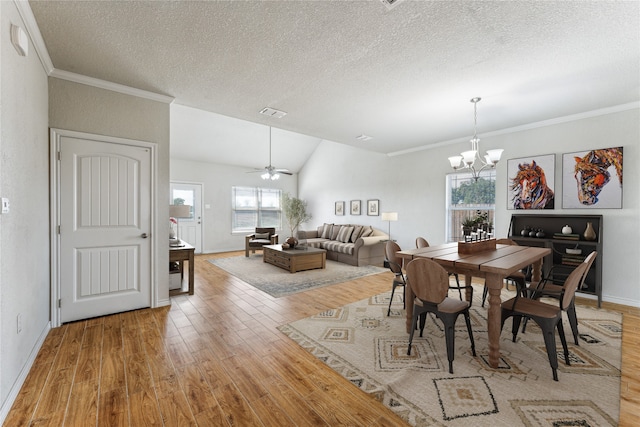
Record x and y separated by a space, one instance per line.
571 251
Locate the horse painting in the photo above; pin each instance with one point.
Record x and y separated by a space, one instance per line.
529 188
591 172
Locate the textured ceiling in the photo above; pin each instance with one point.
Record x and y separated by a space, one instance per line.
343 68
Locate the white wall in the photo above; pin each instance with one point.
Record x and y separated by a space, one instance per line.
217 182
24 231
414 186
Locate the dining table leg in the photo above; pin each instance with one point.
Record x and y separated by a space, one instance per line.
536 272
494 284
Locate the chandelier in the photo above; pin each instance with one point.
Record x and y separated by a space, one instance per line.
471 159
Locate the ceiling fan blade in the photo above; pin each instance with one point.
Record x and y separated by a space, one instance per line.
284 171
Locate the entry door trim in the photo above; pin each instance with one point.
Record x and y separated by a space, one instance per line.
54 148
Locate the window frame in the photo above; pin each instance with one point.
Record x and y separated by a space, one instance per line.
256 208
452 223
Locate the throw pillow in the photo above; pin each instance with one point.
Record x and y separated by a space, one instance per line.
368 231
326 231
345 234
357 230
264 236
336 231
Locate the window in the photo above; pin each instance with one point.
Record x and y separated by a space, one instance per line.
465 197
183 197
255 207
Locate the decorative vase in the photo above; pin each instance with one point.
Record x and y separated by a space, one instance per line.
540 233
292 241
532 233
589 232
566 230
525 231
172 229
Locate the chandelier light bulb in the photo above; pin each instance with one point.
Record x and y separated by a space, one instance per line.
494 155
455 161
468 157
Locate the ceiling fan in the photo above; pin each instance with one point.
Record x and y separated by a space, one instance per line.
271 172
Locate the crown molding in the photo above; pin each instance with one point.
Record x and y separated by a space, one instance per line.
115 87
535 125
25 12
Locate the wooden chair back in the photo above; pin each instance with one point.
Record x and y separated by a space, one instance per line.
589 261
571 284
391 250
505 241
263 230
421 242
428 280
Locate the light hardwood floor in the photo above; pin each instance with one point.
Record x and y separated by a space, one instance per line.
216 359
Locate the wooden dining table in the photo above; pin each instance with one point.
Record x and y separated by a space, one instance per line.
493 265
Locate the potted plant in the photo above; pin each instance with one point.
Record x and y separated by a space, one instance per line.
479 221
468 225
482 220
295 211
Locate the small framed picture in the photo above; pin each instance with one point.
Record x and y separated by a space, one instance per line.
339 208
355 207
373 207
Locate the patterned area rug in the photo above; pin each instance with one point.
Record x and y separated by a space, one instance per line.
369 349
278 282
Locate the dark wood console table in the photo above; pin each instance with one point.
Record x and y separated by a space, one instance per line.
562 263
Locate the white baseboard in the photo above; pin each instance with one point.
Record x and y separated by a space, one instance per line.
621 301
164 302
17 385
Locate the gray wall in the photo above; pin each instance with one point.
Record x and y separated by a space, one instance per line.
414 186
217 181
24 231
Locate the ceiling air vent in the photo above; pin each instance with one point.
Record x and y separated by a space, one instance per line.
272 112
364 137
391 3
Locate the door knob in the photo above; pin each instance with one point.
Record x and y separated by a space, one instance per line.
144 235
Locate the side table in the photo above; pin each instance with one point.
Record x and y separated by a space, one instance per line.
180 254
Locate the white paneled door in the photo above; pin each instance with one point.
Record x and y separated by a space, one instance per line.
105 226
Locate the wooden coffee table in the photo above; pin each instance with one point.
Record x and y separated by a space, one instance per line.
294 259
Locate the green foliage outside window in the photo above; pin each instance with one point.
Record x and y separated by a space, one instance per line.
482 191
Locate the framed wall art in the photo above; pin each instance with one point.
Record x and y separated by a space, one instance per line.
339 208
355 207
531 182
373 207
592 179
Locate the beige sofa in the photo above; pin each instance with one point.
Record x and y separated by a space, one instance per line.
348 243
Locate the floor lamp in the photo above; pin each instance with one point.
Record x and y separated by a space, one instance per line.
389 216
177 212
